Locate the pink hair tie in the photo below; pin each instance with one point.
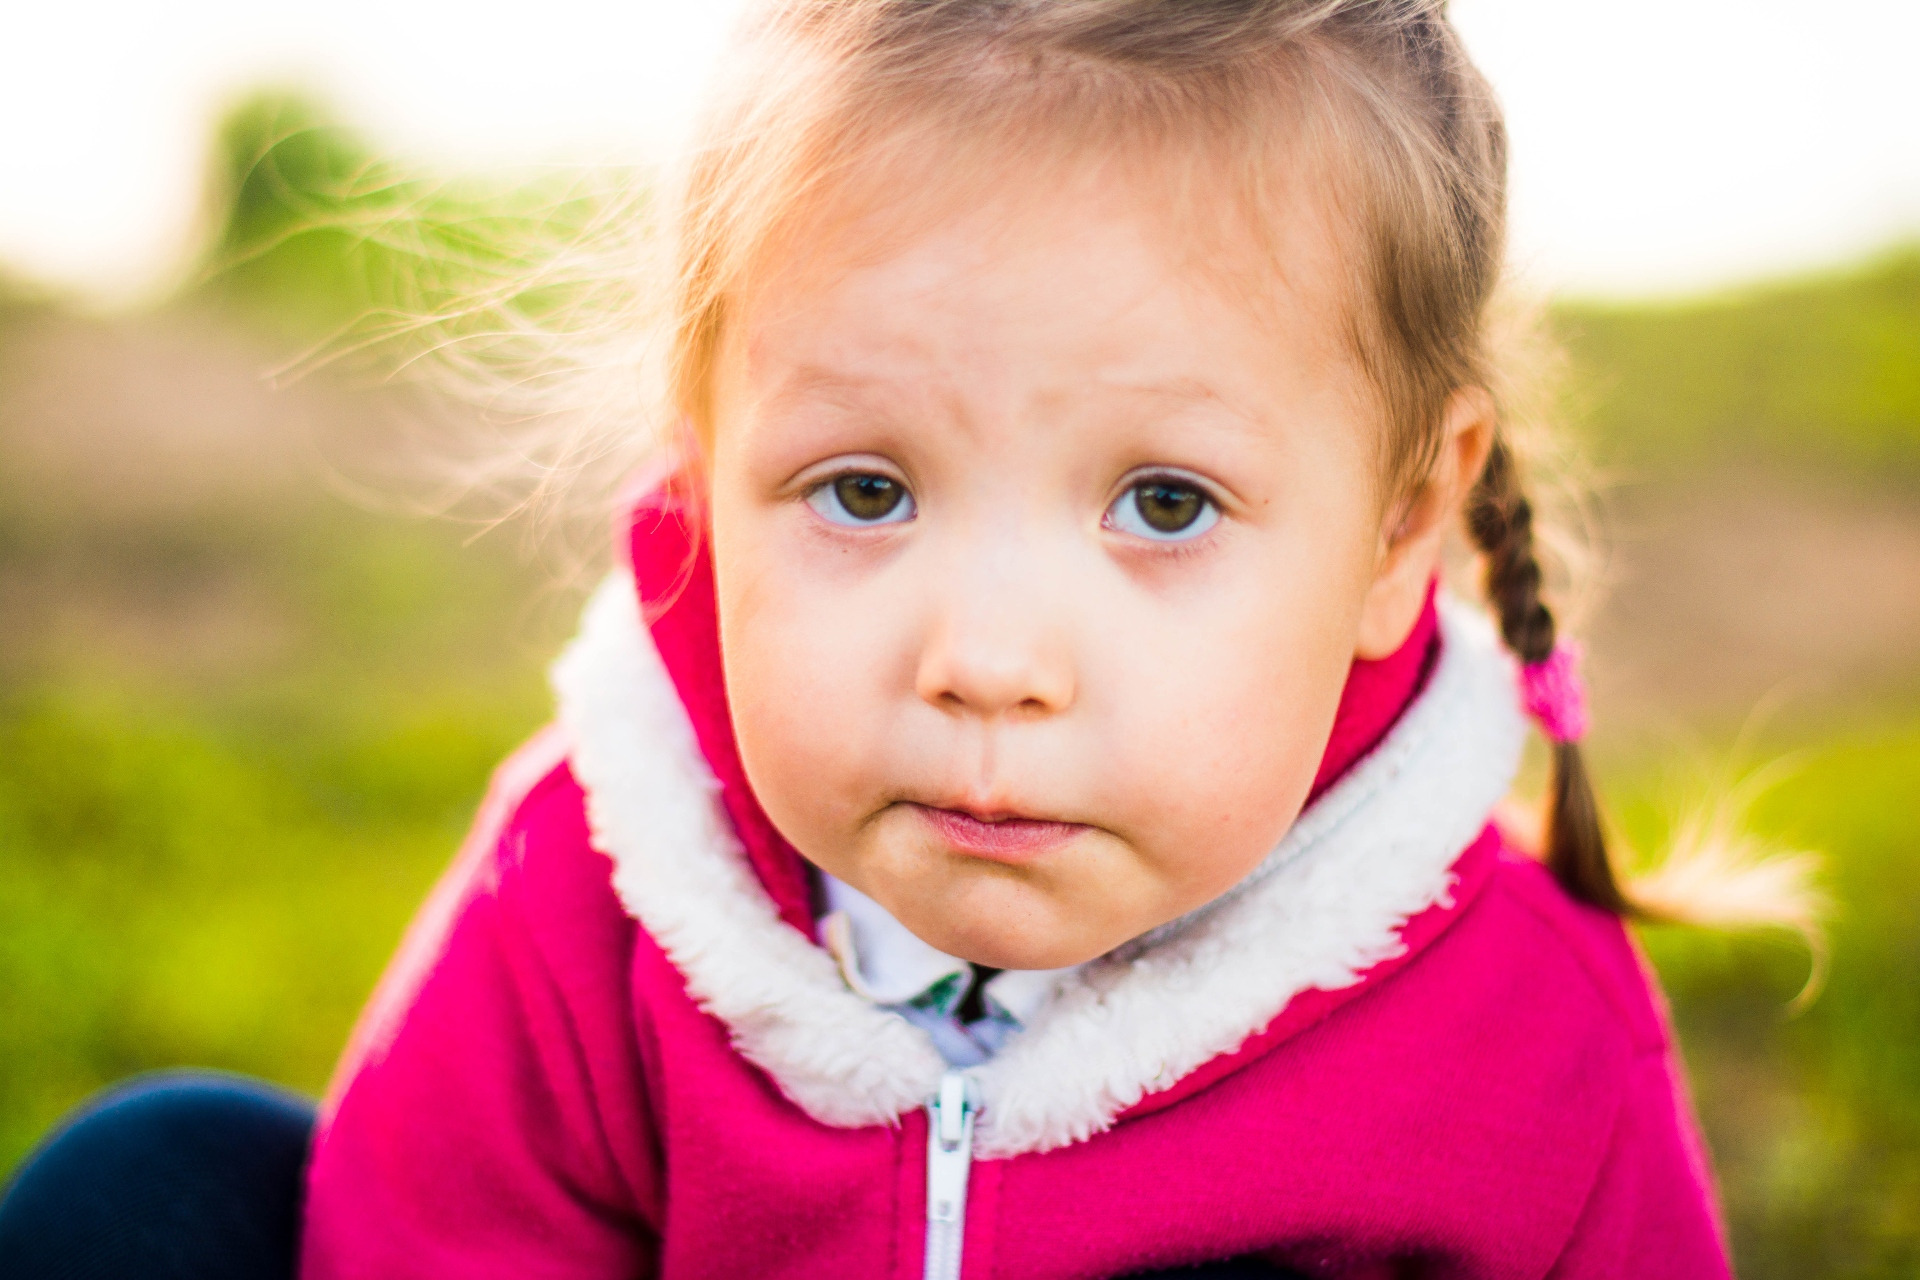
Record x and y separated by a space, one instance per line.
1555 695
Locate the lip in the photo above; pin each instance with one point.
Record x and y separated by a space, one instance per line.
997 837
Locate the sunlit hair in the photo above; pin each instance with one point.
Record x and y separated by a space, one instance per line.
1372 106
1233 114
1221 106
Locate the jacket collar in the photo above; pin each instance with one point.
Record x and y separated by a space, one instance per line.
673 575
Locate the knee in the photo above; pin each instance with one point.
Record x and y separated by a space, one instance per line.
152 1173
180 1119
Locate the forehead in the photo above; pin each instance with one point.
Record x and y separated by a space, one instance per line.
1078 308
1061 298
998 225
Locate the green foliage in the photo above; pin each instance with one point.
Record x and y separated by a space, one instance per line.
1814 1118
302 205
317 238
177 891
1822 371
205 857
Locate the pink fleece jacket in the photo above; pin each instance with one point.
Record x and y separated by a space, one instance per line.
546 1086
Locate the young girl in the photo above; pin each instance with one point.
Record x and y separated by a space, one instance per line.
1024 810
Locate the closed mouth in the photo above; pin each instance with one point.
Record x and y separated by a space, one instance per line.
997 837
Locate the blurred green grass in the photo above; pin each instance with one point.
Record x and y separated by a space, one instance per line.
205 858
1816 372
1813 1117
210 840
313 237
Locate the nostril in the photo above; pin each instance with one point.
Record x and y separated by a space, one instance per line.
977 674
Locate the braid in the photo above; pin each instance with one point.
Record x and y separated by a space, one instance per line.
1500 520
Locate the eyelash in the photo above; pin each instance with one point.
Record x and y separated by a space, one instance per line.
823 492
1174 544
1170 551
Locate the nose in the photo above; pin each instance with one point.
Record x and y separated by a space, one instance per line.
991 651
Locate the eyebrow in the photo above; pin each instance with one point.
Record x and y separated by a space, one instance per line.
804 381
808 379
1169 389
824 384
1191 391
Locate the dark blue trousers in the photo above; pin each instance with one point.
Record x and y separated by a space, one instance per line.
192 1175
178 1175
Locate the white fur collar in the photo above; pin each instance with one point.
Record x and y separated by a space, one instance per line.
1327 904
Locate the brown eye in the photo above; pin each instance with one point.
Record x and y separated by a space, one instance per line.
1164 511
867 498
862 497
1168 508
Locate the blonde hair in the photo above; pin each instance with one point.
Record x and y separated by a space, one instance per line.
1379 94
829 101
831 93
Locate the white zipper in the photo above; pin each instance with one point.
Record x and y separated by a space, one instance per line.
949 1158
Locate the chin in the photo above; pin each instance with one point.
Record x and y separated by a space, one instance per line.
1011 938
1034 915
1017 954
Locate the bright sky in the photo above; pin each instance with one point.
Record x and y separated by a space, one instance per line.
1659 145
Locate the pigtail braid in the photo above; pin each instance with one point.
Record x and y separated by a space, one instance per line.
1500 520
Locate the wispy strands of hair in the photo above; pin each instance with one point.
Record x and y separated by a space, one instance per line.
828 103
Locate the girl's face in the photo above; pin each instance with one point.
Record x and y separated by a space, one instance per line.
1041 561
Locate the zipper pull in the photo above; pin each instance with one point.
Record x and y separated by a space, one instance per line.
949 1159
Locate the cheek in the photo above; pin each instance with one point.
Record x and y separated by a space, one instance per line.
807 664
1248 760
1227 713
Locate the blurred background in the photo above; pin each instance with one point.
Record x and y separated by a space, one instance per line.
249 694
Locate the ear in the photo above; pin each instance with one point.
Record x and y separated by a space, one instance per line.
1415 530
